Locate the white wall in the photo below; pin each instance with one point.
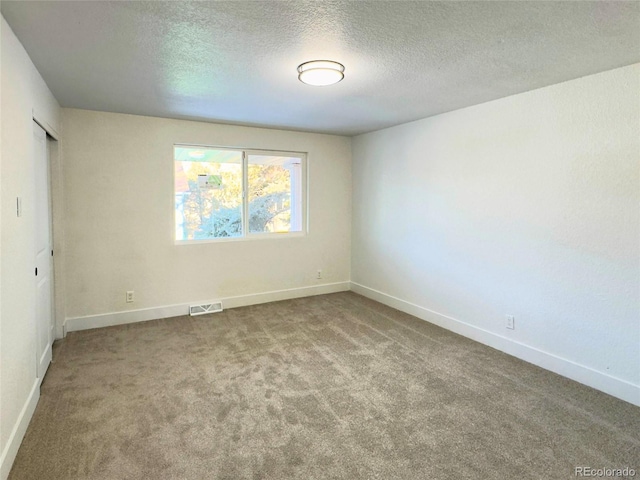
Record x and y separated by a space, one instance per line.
118 184
23 94
527 205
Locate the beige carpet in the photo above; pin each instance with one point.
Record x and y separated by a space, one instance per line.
328 387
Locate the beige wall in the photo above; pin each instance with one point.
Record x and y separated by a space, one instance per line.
23 96
118 184
528 205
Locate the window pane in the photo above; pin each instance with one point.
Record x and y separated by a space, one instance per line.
275 194
208 193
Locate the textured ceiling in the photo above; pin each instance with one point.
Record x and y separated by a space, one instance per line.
235 62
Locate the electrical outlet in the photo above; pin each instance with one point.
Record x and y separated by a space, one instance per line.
130 296
511 322
319 274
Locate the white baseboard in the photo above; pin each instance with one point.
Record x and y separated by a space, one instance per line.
580 373
19 429
142 315
277 295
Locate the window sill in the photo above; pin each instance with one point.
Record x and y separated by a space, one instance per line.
248 238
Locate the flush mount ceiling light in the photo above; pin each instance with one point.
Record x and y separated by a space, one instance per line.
320 73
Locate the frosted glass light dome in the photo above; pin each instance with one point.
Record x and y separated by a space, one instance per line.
320 73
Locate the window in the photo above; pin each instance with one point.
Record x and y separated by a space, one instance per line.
223 193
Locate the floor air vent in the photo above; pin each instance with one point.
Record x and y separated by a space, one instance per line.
205 308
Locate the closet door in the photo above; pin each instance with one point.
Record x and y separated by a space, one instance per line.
44 262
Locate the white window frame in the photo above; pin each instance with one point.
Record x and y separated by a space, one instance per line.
246 235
